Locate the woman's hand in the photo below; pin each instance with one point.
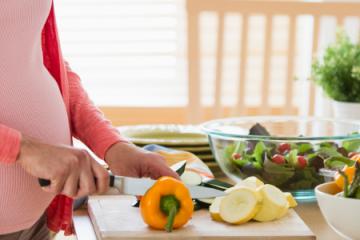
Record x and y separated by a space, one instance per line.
70 170
128 160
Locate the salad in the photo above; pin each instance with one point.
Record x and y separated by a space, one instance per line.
289 165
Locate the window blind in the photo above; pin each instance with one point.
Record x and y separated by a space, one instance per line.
133 52
127 52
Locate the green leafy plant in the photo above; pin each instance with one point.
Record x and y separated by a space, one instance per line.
339 72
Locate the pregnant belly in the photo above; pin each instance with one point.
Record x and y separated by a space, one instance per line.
33 106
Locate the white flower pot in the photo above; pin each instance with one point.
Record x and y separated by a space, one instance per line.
346 110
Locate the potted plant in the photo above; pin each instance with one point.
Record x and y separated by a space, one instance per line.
338 74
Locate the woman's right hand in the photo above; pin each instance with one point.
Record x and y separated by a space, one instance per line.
71 171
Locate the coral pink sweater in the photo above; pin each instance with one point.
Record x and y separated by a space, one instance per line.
41 97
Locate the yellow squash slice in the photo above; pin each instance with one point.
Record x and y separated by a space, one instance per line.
274 204
240 205
214 209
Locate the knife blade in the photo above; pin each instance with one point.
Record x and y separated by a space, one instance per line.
139 186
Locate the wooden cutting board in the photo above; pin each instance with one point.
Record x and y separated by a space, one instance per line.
114 218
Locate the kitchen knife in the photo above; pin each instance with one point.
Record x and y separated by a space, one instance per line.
138 187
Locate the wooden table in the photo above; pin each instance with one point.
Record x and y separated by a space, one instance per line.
309 212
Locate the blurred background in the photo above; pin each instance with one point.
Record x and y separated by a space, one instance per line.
178 61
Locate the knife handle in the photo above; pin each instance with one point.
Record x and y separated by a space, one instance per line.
46 182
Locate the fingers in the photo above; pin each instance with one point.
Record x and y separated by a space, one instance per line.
87 184
56 186
166 171
158 168
71 185
102 178
57 181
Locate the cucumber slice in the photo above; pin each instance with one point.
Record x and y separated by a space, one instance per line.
208 201
191 178
216 184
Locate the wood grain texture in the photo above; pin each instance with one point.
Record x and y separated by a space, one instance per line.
114 218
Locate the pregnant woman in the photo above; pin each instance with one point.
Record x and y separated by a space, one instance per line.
42 106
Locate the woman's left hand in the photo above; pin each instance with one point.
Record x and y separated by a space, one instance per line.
128 160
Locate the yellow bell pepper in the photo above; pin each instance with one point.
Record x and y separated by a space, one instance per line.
167 204
349 172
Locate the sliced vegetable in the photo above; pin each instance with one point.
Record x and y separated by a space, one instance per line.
291 200
274 204
191 178
251 182
167 204
217 184
214 209
240 205
207 201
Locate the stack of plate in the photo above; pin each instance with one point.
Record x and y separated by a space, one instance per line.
180 137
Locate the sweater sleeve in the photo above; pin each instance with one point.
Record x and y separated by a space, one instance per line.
9 144
87 121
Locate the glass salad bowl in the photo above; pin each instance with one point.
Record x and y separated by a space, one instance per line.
289 152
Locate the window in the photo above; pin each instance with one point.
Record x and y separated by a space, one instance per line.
132 53
127 52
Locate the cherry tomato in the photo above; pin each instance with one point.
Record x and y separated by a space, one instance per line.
236 156
284 147
278 159
302 161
